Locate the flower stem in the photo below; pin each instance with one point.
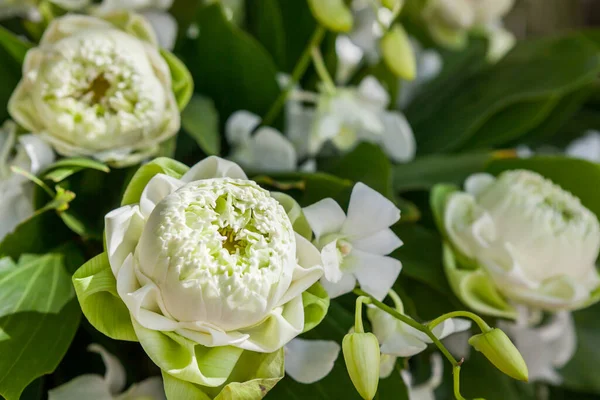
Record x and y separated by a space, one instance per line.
358 323
411 322
456 375
319 64
465 314
299 70
33 179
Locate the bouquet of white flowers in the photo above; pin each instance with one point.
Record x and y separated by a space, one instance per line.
307 199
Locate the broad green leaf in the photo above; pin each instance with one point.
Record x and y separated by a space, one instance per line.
426 172
254 375
231 67
66 167
32 344
10 71
35 283
14 45
96 289
580 177
161 165
200 120
182 82
265 22
533 71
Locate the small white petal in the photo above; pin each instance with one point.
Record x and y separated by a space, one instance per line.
82 387
586 147
308 361
345 285
369 212
398 139
324 217
165 26
115 373
331 262
239 126
381 243
371 89
375 274
149 389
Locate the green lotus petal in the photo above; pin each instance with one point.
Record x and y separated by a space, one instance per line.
181 79
254 375
294 212
185 359
96 290
316 304
134 24
437 200
161 165
475 288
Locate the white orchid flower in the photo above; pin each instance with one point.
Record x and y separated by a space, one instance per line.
354 246
536 242
29 153
265 150
19 8
110 386
586 147
425 390
213 258
309 361
347 116
545 348
398 339
93 89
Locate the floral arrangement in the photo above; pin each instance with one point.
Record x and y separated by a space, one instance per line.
305 199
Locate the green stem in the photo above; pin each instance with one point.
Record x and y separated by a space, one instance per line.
465 314
456 375
358 323
299 70
321 68
397 301
33 179
411 322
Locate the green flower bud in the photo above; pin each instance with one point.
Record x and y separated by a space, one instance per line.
398 53
361 352
393 4
501 352
332 14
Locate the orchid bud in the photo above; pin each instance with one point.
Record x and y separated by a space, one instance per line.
500 351
361 352
398 53
333 14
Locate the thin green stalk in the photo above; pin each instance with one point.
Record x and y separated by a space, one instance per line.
321 68
299 70
358 323
465 314
456 375
411 322
33 179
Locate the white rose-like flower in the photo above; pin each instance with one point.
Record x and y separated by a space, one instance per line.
536 241
92 89
29 153
213 258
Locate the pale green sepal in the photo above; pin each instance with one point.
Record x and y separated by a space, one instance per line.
501 352
332 14
295 214
161 165
437 200
475 288
316 303
96 290
254 375
134 24
181 79
398 54
187 360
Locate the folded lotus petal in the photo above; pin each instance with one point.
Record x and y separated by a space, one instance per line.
477 183
209 336
165 26
309 361
40 154
381 243
397 139
331 262
324 217
159 187
114 376
239 127
376 274
82 387
345 285
151 389
123 228
272 151
368 212
213 167
70 25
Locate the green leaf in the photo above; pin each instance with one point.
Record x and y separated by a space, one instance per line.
533 71
426 172
14 45
62 169
201 121
10 68
231 67
161 165
265 22
32 344
36 283
575 175
96 290
254 375
182 82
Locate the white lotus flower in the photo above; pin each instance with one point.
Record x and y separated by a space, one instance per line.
213 258
353 247
110 386
29 153
91 89
398 339
309 361
348 116
545 348
536 241
586 147
265 150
